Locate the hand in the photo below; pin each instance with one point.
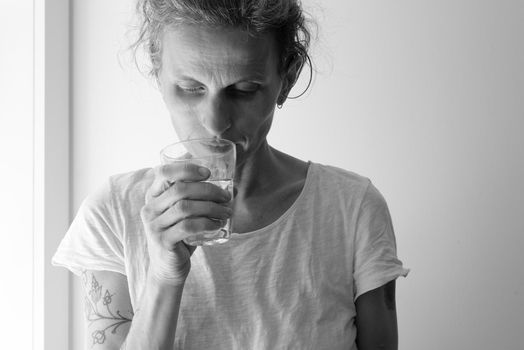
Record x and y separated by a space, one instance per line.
178 205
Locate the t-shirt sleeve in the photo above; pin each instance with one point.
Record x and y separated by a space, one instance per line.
375 259
93 241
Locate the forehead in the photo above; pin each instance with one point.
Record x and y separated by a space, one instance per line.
201 52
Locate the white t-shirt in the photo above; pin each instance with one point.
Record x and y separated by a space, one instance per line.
289 285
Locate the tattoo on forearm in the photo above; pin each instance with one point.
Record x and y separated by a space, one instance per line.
95 310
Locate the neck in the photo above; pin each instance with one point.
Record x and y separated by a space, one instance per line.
258 173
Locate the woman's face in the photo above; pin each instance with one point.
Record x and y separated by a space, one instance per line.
220 82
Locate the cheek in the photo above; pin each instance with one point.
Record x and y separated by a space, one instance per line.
187 126
254 120
252 116
177 107
183 116
173 104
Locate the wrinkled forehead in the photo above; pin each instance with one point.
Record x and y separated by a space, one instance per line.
195 50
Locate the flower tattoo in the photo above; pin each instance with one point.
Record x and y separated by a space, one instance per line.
107 298
99 337
110 320
96 290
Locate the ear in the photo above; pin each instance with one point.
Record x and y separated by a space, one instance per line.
290 77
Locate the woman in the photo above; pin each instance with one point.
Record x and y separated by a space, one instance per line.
312 261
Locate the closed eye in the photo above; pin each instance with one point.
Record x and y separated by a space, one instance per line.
244 88
192 89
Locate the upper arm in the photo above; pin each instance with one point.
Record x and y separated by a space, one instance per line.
376 318
107 308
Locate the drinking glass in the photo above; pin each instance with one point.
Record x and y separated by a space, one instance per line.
219 156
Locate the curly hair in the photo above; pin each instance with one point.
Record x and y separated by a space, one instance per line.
283 18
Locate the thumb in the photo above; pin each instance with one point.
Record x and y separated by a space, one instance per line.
190 248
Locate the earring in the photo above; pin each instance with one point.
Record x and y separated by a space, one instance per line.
280 102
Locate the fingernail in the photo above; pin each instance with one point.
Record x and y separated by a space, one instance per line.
203 171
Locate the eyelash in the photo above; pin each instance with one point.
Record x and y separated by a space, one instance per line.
194 90
244 92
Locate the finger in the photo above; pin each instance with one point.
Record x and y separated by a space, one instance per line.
187 228
203 191
186 208
167 174
190 248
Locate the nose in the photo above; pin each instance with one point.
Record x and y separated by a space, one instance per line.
215 116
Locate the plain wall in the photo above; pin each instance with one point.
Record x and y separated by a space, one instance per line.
426 98
16 175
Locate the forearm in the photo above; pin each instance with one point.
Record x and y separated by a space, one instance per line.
154 323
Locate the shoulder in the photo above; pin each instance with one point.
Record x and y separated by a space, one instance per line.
340 175
132 182
334 179
347 185
121 189
128 189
